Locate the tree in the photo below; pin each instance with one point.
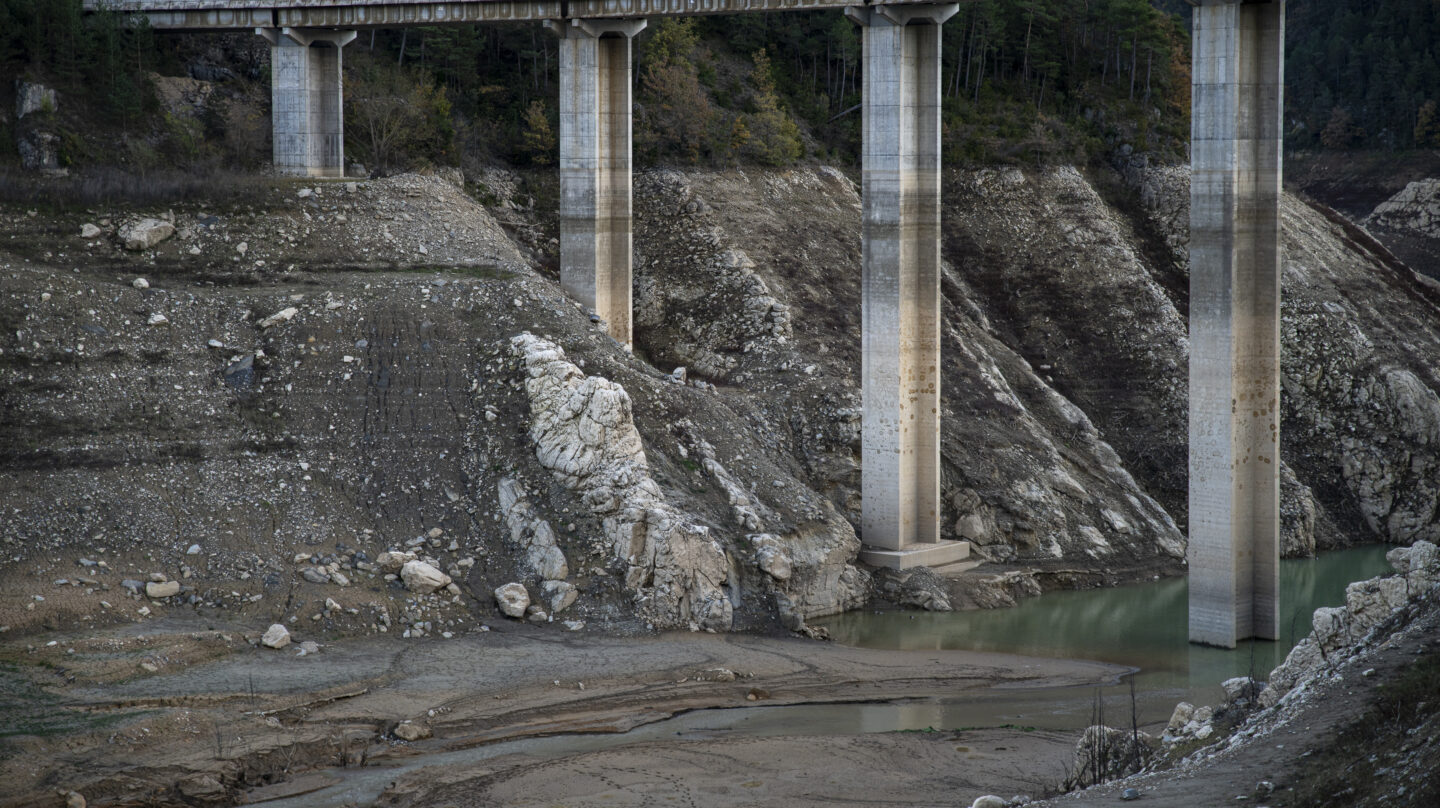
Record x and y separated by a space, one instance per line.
677 116
1340 132
774 137
1427 126
538 138
394 114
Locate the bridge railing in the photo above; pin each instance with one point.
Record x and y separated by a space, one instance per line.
242 14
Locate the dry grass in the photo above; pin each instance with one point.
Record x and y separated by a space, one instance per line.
111 186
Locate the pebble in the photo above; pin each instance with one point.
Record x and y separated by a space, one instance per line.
140 283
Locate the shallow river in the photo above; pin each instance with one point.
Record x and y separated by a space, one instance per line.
1141 626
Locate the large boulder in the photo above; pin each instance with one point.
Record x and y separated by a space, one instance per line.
513 600
277 636
1106 753
391 561
145 233
166 589
421 578
559 595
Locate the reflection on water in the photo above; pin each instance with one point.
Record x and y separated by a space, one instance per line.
1143 626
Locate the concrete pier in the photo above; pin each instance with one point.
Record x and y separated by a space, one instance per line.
1234 550
308 114
900 340
595 152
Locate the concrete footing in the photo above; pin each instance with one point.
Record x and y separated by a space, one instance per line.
900 318
917 555
1234 549
595 153
306 88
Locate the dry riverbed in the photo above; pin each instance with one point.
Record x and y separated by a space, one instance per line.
220 718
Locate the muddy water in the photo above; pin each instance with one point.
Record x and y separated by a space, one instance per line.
1139 626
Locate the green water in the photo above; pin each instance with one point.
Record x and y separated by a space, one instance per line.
1139 626
1142 626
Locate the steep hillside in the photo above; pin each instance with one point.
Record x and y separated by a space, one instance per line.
304 382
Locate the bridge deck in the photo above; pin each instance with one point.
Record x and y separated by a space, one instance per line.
200 15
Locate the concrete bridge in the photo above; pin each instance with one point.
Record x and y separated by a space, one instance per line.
1234 243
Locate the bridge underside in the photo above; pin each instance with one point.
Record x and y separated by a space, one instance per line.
1234 248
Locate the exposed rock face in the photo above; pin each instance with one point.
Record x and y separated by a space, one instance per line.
1360 413
1417 208
711 301
145 233
31 98
531 534
39 149
1027 476
584 434
363 406
1409 223
1367 605
808 568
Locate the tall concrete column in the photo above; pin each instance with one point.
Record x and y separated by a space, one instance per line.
307 109
1234 550
900 318
595 194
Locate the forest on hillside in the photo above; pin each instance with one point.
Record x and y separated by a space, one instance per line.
1028 81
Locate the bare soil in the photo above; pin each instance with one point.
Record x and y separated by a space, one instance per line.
250 718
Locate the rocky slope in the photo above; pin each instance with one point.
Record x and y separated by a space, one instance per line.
1347 719
1409 223
309 379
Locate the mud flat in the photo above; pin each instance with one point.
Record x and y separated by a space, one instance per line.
221 717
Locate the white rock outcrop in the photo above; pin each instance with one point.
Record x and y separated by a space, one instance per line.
1415 210
1336 630
585 435
531 533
